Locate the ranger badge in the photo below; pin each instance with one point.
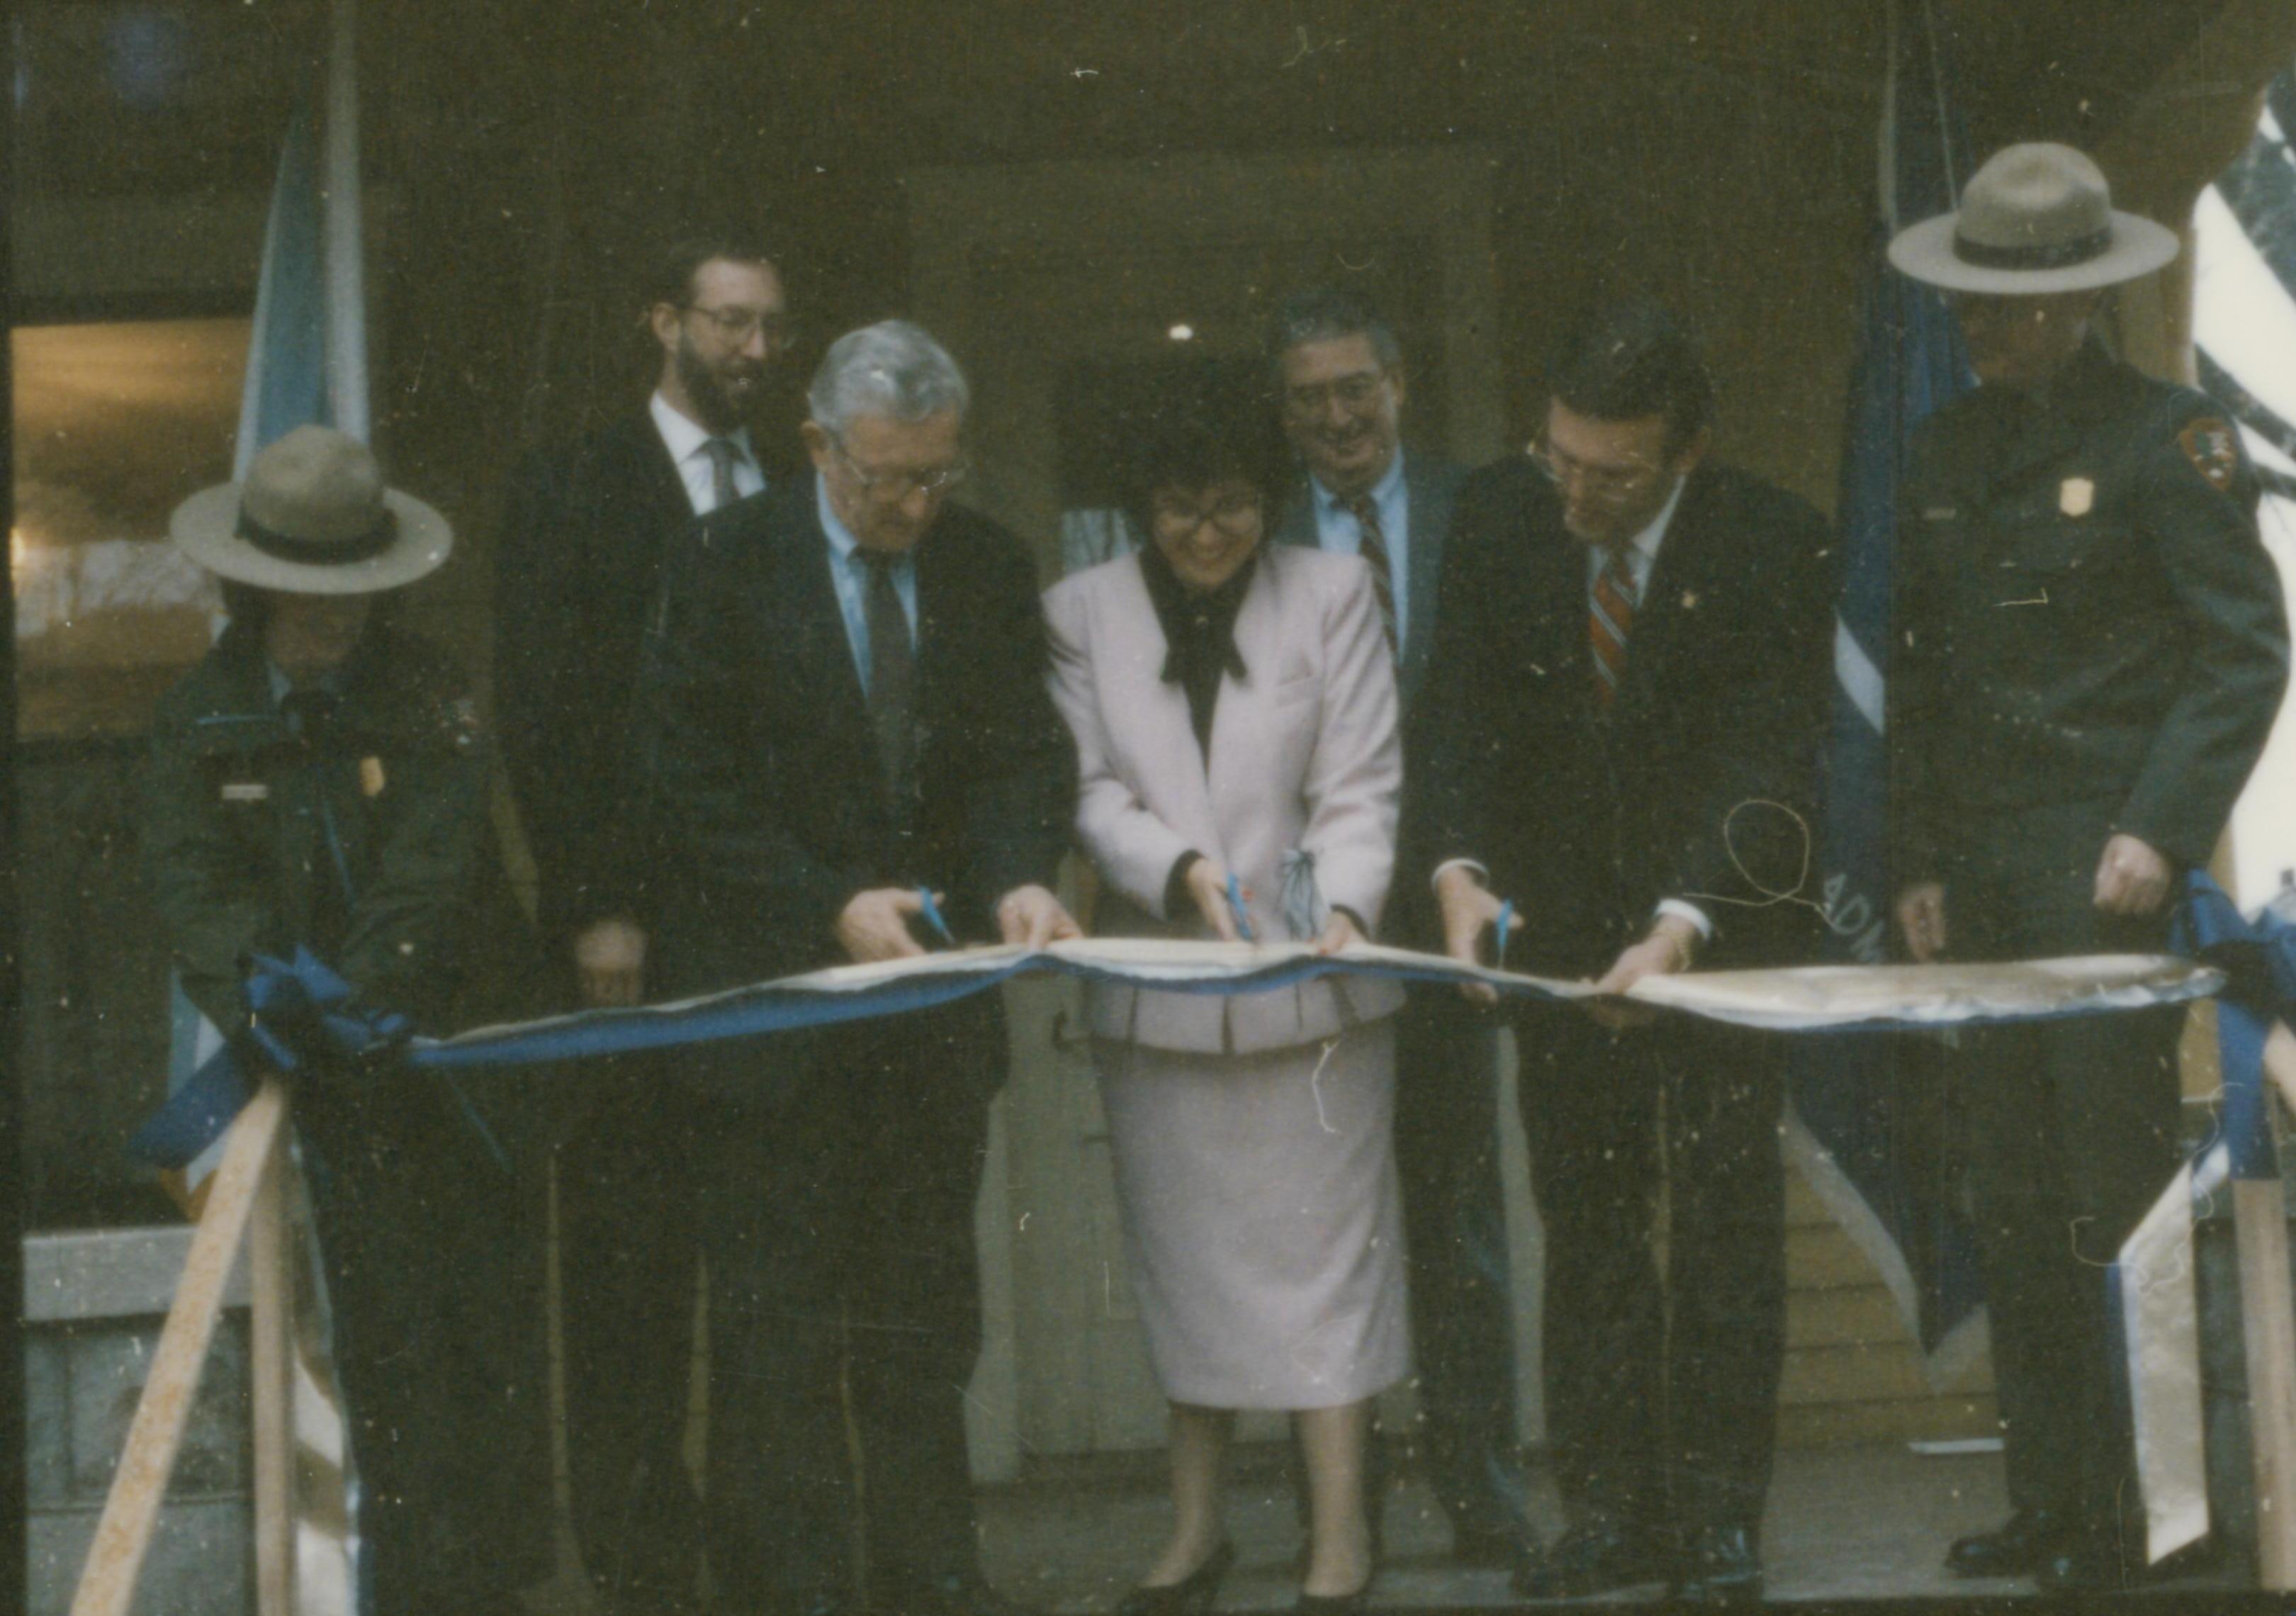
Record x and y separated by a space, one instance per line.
2209 443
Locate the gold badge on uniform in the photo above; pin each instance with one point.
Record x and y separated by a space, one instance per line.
371 777
2209 443
2076 496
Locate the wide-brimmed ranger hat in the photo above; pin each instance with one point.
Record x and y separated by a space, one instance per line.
313 518
2035 218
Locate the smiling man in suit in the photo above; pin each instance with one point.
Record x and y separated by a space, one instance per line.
1627 694
845 731
585 531
1341 392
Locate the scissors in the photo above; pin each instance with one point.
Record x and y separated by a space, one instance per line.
1235 907
1502 925
933 917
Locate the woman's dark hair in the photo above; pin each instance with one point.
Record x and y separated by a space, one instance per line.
1631 360
1207 427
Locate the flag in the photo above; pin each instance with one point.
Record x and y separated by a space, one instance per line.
1866 1124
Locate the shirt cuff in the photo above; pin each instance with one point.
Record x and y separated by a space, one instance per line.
1690 911
1481 874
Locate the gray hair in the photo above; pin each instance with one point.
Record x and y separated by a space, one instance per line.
1321 312
893 368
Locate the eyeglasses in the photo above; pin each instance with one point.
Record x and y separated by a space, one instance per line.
1599 481
1355 393
896 486
1234 515
738 325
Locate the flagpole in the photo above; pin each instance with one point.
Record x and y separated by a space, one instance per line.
346 267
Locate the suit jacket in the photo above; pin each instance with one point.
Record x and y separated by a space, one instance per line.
757 772
2085 612
584 533
1430 488
1587 819
1304 755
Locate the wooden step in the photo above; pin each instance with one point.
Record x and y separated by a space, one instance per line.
1842 1315
1935 1419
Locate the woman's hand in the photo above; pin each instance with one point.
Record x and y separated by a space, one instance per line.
1208 885
1340 932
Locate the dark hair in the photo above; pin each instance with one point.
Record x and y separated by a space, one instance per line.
671 278
1206 428
247 609
1633 360
1318 313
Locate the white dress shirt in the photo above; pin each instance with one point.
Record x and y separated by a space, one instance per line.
688 443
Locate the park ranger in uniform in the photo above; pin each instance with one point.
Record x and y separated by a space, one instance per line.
319 780
2091 647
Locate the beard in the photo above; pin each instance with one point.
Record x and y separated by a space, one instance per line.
720 393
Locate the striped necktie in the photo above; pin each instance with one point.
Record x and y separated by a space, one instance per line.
1609 621
1365 509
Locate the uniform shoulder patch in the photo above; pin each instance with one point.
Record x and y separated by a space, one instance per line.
2210 443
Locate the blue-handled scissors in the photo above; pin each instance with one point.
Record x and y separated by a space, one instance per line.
1236 909
933 917
1502 925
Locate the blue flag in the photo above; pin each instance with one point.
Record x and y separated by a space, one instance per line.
1868 1124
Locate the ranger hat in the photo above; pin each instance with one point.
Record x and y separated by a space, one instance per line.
2035 218
312 518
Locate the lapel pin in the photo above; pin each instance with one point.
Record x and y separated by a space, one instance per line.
2075 497
371 777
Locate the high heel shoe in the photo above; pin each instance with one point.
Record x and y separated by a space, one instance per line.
1191 1595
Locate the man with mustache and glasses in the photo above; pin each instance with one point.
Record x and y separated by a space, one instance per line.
1341 392
583 545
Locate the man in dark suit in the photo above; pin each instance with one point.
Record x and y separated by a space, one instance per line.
1341 390
584 535
846 731
1631 663
2085 605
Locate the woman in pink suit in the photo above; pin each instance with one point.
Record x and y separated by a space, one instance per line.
1235 711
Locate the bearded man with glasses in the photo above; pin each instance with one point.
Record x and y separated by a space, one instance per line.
1631 662
586 528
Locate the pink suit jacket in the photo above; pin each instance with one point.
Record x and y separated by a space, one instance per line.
1304 755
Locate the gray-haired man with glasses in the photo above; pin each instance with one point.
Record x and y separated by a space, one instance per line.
847 752
586 529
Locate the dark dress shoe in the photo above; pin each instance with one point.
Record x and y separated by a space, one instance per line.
1192 1595
2013 1550
1593 1557
1721 1567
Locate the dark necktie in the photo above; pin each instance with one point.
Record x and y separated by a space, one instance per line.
721 455
1366 510
1610 619
892 676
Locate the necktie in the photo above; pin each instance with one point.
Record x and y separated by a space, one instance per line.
1366 510
1610 619
722 454
892 676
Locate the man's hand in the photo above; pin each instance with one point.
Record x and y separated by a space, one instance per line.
2132 877
1920 916
1033 917
1339 932
874 924
1668 949
1469 910
610 959
1208 885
